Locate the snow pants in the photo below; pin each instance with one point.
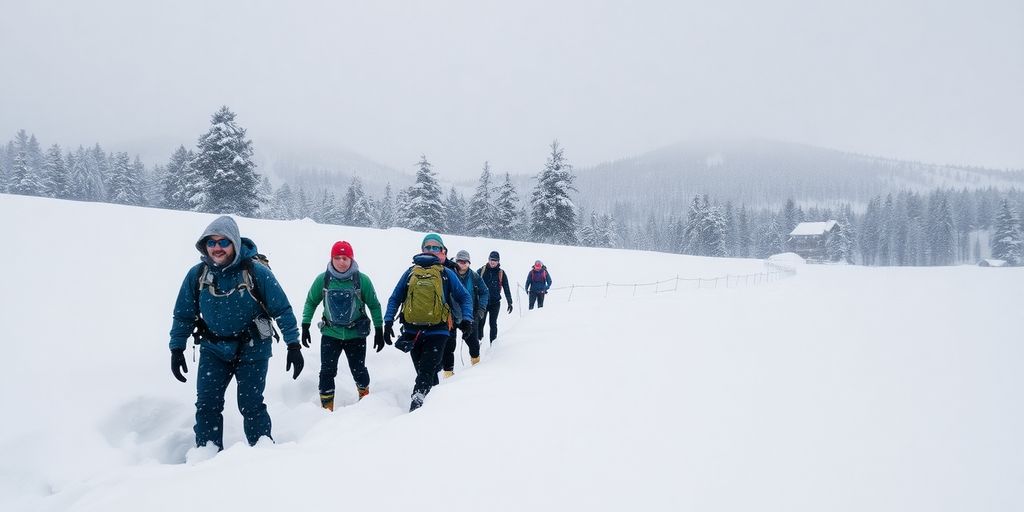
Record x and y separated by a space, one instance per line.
537 297
330 352
448 359
492 316
426 358
214 375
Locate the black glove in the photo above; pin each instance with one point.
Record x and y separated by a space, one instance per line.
467 327
378 339
510 308
178 363
305 335
389 332
481 313
295 359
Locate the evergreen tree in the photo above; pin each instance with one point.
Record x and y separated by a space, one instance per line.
58 179
455 213
224 159
402 208
839 243
283 204
23 180
791 216
177 190
743 235
506 210
266 199
125 186
871 231
888 226
7 156
386 210
769 241
941 231
481 214
424 209
587 236
99 170
358 210
554 213
1007 240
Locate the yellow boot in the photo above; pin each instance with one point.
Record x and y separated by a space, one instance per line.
362 392
474 360
447 374
327 402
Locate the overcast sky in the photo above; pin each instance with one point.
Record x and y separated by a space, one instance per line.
468 81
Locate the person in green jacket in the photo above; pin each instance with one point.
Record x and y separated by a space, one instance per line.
346 293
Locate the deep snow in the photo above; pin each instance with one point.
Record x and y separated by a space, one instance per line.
841 388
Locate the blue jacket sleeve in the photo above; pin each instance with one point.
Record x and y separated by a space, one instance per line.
397 296
547 274
529 281
461 295
277 303
184 317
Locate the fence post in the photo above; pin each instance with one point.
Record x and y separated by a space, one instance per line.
606 285
676 289
571 289
634 290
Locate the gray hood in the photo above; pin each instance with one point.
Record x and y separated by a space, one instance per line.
226 227
343 275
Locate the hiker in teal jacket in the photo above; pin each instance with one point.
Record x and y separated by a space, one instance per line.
346 293
230 301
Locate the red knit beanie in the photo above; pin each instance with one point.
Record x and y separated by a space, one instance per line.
342 248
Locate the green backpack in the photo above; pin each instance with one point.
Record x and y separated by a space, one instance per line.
424 299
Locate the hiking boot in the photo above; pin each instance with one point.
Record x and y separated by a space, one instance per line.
362 392
448 373
417 401
474 360
327 402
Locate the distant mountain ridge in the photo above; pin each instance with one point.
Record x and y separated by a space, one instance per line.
759 172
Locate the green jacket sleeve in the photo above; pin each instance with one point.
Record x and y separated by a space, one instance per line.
370 299
313 298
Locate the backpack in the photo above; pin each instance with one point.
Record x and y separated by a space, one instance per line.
425 303
345 307
263 324
543 275
501 275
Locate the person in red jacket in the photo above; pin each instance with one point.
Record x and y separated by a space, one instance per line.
537 283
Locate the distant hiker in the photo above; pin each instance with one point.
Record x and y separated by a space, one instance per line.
538 280
476 288
346 293
427 292
495 279
230 299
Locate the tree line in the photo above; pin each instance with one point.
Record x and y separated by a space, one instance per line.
942 227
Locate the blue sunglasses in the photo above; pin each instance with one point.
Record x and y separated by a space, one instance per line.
432 248
224 243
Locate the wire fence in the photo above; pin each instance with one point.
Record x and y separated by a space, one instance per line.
773 272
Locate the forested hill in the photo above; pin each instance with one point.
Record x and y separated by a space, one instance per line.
765 173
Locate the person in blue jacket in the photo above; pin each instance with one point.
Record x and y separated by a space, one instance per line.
230 301
419 286
538 280
477 289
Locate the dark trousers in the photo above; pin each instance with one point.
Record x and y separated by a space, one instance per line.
426 358
330 352
448 359
214 374
537 297
492 316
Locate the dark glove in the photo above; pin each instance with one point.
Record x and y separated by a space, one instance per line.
481 313
295 359
378 339
389 332
467 327
305 335
178 363
510 308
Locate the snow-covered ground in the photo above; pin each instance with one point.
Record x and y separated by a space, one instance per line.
839 389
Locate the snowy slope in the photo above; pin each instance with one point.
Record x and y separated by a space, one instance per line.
841 388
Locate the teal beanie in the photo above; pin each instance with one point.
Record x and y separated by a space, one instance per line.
432 236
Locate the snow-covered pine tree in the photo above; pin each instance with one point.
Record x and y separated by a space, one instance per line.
402 208
791 216
743 237
770 239
1007 239
6 165
36 160
58 179
283 205
887 227
587 235
385 214
23 180
424 210
125 186
455 213
506 210
554 213
266 191
481 213
224 158
99 170
177 190
358 211
941 230
838 244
